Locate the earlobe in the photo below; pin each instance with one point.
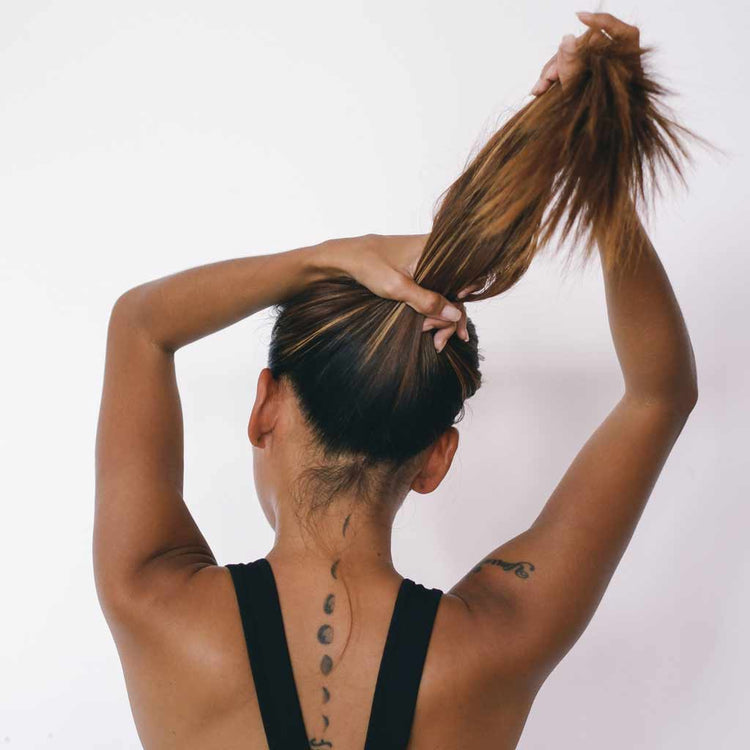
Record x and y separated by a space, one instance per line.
438 462
263 415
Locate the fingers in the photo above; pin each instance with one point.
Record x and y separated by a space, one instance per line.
560 67
445 317
424 301
565 63
568 48
479 284
463 327
443 330
569 62
441 337
546 77
616 28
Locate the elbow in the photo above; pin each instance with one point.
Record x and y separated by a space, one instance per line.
121 599
687 391
678 399
674 387
690 398
125 314
129 307
132 313
682 400
113 597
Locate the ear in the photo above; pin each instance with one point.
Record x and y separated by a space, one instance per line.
439 458
265 409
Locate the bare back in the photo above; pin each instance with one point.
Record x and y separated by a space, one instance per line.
191 684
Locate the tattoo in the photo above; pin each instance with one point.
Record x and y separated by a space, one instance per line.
326 664
346 525
521 569
325 634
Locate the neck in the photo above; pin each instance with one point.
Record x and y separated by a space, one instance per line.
348 537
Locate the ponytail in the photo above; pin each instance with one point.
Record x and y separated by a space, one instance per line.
574 161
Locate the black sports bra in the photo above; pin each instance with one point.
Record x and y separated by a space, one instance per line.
400 672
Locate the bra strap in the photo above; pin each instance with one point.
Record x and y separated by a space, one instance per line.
401 665
262 623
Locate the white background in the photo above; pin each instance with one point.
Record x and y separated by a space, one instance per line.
141 138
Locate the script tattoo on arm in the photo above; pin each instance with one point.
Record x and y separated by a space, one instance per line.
521 569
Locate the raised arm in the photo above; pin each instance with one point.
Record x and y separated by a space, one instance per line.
143 531
141 521
543 586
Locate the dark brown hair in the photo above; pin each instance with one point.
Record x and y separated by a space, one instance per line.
571 163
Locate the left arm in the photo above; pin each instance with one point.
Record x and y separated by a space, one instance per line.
141 520
142 529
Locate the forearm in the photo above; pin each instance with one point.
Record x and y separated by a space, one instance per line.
649 333
178 309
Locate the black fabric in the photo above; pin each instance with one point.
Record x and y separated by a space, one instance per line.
401 665
260 610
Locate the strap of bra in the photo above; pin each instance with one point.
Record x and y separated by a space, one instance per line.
401 666
260 610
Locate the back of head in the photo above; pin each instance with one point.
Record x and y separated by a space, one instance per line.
369 381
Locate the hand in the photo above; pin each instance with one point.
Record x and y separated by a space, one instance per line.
565 63
385 264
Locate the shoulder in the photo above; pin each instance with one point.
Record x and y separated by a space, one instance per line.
184 657
187 618
475 676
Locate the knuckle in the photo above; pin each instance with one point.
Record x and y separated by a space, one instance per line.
393 286
434 303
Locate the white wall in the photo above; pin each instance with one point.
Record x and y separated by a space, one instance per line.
140 138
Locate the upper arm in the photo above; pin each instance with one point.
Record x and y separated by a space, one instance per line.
549 580
141 521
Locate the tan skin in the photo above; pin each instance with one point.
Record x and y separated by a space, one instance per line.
497 635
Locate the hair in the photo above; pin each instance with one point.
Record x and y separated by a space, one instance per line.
573 162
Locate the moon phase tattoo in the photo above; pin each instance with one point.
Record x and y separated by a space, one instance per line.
520 569
324 636
326 664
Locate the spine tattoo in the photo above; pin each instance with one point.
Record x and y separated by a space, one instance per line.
324 636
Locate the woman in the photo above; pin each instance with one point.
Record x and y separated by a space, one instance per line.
322 643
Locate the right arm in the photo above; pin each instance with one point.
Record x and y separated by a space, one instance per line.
581 533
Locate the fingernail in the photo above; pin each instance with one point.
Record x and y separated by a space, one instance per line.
465 336
584 14
451 313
